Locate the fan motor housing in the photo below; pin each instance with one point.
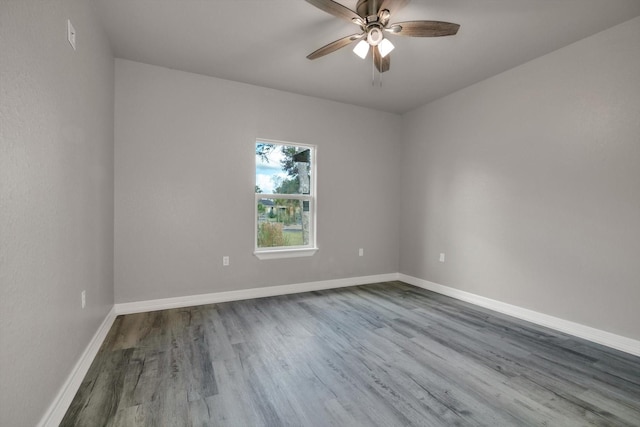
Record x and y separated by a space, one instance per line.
367 8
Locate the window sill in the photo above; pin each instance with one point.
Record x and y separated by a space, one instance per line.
285 253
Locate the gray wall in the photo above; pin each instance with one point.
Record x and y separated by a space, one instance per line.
530 183
185 175
56 198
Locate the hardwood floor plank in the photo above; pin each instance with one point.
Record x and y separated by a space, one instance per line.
102 393
385 354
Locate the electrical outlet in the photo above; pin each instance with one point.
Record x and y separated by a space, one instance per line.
71 34
83 296
442 257
225 261
361 252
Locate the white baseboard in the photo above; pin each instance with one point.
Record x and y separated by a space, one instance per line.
60 404
608 339
212 298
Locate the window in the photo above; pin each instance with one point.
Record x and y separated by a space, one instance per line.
284 200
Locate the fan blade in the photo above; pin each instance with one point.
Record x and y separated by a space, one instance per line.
382 64
335 45
423 28
393 5
336 9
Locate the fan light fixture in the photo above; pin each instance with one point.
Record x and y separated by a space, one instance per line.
375 39
374 36
385 47
361 49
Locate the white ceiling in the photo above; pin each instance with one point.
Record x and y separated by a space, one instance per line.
265 43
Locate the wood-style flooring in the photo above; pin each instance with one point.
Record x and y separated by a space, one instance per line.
385 354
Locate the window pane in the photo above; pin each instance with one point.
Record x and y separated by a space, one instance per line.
282 222
282 169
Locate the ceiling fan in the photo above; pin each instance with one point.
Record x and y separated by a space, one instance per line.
373 18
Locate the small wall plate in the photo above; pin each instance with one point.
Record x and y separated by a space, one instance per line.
71 34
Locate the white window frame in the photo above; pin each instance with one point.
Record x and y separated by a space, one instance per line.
279 252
